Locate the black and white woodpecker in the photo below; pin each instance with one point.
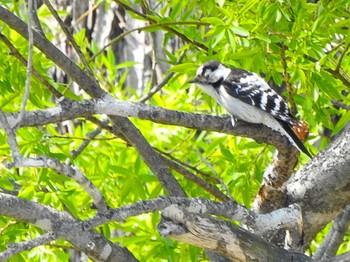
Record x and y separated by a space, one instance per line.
248 97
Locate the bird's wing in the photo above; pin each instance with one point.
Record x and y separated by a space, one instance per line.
253 90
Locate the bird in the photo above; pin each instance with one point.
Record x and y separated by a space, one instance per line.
246 96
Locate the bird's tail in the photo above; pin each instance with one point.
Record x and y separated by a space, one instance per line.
297 133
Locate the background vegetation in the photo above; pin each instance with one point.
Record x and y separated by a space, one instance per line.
146 51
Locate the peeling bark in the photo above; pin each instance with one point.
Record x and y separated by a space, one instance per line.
221 236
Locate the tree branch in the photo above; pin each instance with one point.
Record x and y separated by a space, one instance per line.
68 171
321 187
156 114
334 238
192 177
54 54
16 53
95 245
120 124
11 134
221 236
149 155
342 57
263 224
338 74
164 26
14 249
69 36
30 60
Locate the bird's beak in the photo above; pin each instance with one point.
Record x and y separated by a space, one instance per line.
194 80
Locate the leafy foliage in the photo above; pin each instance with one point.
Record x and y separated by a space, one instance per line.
282 40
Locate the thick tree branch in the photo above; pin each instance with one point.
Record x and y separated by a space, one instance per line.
322 187
341 258
263 224
271 193
156 114
68 228
96 246
221 236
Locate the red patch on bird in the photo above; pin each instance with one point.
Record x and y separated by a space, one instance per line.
301 130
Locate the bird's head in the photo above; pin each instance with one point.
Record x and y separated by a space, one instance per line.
210 72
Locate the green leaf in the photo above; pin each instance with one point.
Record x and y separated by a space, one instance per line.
323 116
238 30
187 68
212 20
226 153
6 183
263 38
218 36
326 83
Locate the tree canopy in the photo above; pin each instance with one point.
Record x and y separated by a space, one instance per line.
109 154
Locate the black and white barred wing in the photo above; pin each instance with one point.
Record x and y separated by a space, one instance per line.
253 90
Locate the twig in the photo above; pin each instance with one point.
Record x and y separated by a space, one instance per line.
286 76
11 136
68 171
35 19
86 14
216 174
154 59
158 87
89 137
342 57
166 27
20 58
143 28
27 245
200 182
81 138
203 174
334 238
340 74
29 63
69 37
340 104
